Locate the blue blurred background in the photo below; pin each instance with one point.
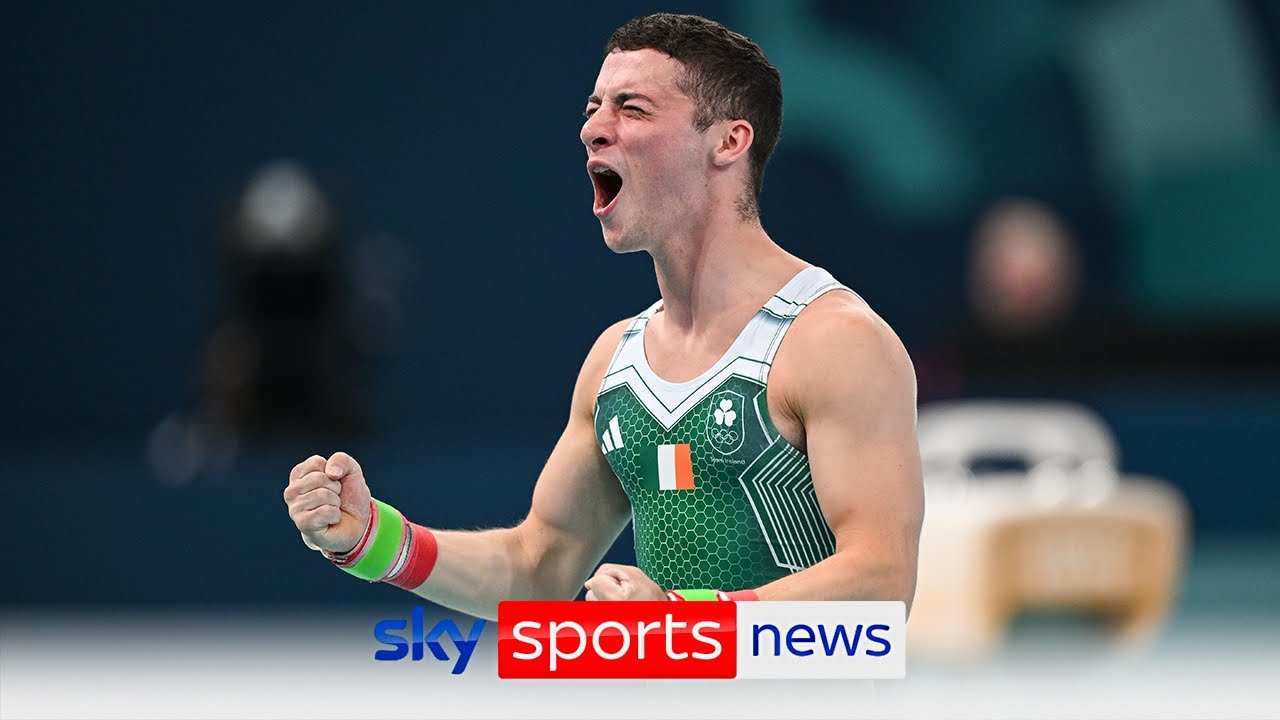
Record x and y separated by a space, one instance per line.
241 233
463 277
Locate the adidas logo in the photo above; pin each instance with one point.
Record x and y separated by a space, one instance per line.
611 439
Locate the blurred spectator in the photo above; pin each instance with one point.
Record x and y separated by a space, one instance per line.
281 359
1025 275
1027 328
1025 323
284 356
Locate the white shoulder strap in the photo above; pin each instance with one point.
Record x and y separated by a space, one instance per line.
631 346
780 311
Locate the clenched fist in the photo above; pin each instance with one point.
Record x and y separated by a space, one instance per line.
329 502
622 582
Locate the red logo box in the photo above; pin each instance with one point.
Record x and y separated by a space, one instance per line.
649 640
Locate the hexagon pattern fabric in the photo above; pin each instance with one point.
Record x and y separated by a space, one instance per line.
719 499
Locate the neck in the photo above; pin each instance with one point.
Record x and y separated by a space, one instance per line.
715 269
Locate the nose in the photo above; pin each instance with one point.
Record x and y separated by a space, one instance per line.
597 131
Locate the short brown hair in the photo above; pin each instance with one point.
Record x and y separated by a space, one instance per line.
726 74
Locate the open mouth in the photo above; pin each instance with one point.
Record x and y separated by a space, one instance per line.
608 185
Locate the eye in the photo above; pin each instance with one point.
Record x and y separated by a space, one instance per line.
590 111
634 109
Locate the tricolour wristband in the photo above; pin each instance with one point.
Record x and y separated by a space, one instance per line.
694 595
705 595
384 549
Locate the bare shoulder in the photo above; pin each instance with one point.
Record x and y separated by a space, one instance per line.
840 329
840 350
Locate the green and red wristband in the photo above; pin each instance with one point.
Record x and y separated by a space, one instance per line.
391 550
712 595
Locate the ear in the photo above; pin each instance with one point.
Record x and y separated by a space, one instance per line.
733 139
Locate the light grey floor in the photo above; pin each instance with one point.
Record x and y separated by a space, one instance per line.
1218 658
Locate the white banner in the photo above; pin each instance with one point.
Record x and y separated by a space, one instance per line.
853 640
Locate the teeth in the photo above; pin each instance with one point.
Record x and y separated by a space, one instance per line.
601 170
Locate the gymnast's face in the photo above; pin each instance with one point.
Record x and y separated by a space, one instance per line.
647 162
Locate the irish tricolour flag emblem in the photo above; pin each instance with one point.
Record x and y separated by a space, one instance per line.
675 467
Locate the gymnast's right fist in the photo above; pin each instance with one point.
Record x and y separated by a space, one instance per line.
329 502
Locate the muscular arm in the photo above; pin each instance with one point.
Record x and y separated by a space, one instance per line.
846 378
578 510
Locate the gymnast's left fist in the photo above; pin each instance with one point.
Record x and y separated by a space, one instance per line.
622 582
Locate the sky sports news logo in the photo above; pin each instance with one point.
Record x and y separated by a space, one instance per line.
659 640
708 640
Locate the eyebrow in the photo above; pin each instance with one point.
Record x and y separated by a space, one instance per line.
621 98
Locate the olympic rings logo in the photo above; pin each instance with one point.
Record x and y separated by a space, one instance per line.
723 436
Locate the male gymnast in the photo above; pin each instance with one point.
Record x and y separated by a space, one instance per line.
756 424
